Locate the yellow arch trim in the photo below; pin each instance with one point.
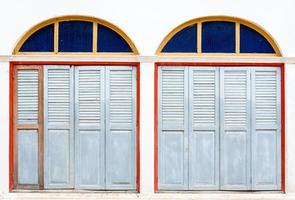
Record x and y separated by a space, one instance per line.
55 21
236 20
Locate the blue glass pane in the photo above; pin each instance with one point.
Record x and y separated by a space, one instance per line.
75 36
218 37
40 41
110 41
185 41
253 42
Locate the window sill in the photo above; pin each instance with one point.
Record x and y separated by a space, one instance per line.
74 194
74 191
220 192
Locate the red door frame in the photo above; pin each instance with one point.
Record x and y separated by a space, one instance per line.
216 64
11 88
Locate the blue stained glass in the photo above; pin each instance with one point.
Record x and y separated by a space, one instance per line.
75 36
218 37
40 41
110 41
253 42
184 41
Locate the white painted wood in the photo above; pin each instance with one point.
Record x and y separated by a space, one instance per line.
235 128
120 127
203 128
58 127
90 127
266 128
27 156
173 129
27 96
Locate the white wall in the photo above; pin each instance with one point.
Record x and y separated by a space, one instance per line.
4 127
290 128
147 23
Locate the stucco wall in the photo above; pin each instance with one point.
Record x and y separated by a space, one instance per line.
147 23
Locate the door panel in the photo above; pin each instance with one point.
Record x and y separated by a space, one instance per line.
202 163
89 127
203 128
27 157
58 127
121 158
235 128
120 127
173 133
266 134
173 158
27 113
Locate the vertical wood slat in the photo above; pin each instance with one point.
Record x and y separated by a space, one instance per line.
56 30
41 133
199 37
237 38
94 37
20 126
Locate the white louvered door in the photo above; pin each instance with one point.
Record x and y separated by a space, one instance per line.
173 132
266 129
120 127
203 128
58 127
235 128
27 115
90 127
219 128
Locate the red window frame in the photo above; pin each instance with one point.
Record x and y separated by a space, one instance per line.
11 99
215 64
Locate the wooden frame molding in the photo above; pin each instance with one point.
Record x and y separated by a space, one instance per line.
218 64
56 21
236 20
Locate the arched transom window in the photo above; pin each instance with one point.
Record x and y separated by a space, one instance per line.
219 35
72 34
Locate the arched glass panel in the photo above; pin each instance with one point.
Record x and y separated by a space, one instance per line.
75 36
253 42
218 37
40 41
79 34
183 41
110 41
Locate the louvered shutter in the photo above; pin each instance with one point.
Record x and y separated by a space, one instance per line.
27 112
27 96
90 128
203 128
172 129
58 127
266 129
235 128
120 127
